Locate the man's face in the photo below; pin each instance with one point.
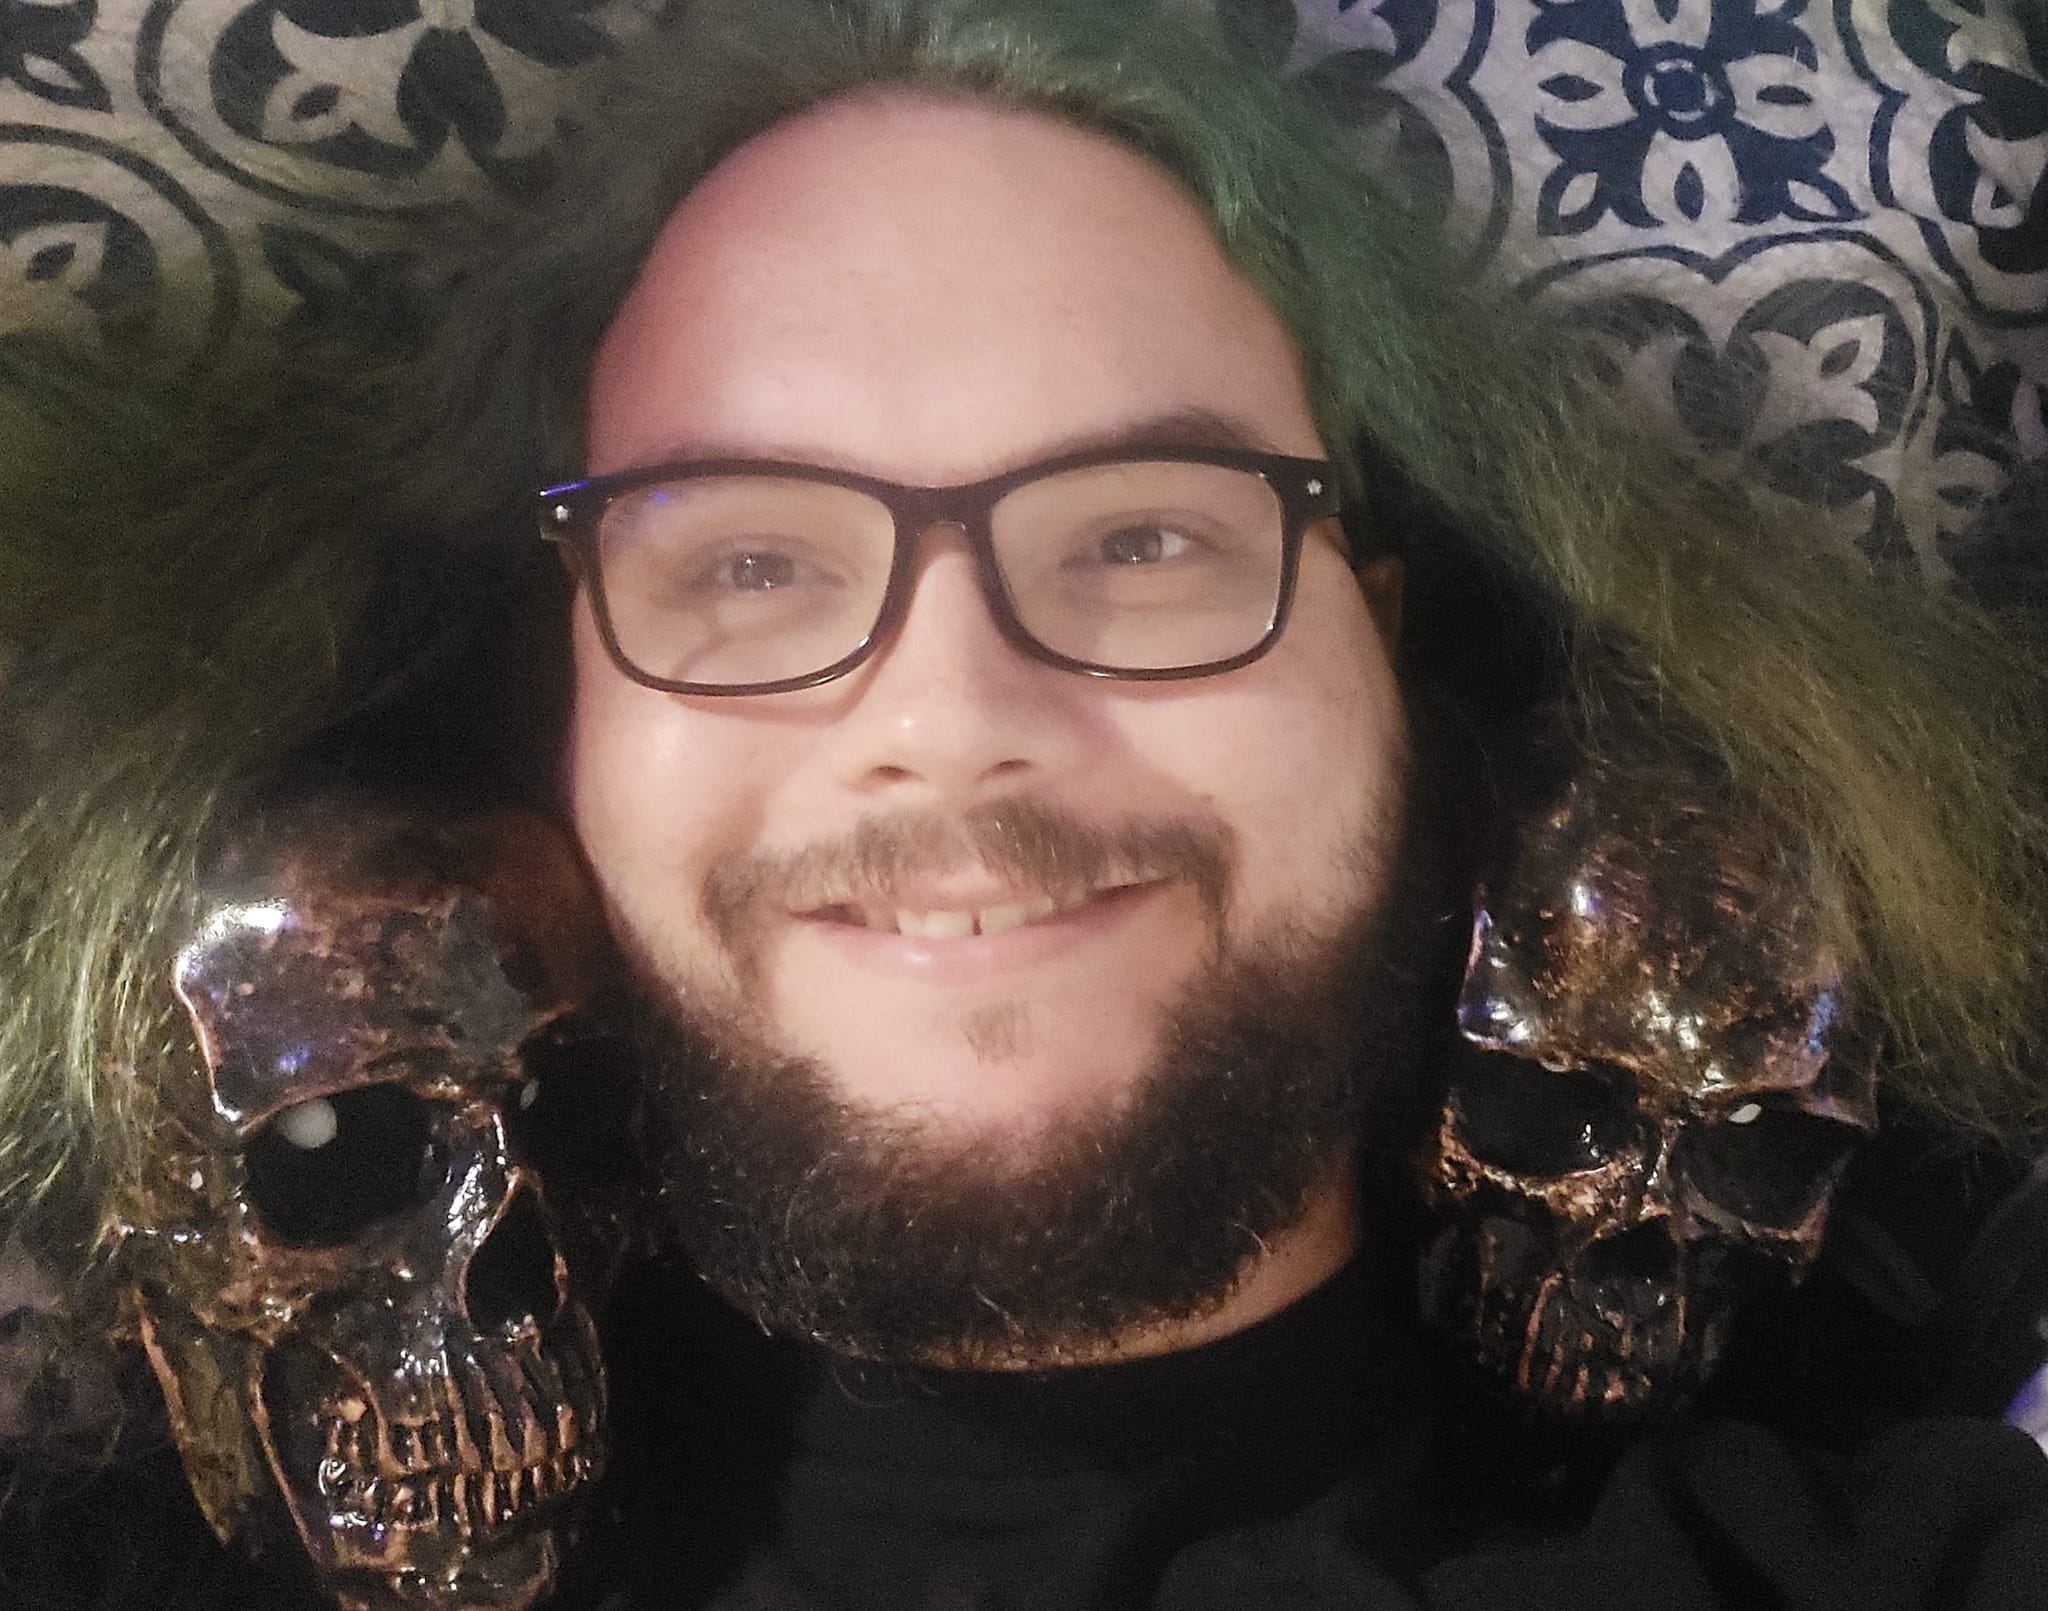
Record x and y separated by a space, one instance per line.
934 291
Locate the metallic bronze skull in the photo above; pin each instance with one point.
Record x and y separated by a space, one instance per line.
1648 1109
370 1322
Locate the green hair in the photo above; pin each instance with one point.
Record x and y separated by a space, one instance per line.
175 610
1895 731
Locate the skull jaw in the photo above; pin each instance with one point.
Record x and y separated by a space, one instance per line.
510 1576
486 1546
1569 1349
453 1499
371 1564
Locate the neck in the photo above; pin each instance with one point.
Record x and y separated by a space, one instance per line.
1287 1267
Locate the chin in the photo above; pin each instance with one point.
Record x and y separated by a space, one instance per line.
956 1091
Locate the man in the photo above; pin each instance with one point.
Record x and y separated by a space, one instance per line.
991 749
1021 1015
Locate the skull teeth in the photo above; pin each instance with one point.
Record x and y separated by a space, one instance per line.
398 1476
473 1503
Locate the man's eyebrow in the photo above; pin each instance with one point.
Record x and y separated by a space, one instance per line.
1179 428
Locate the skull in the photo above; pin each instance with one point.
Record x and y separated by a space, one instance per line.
1648 1109
369 1320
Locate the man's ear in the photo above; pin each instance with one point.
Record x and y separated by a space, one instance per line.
1380 580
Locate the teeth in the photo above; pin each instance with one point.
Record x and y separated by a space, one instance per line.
503 1456
465 1450
957 925
416 1476
935 925
995 919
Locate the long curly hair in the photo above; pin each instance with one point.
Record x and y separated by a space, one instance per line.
191 621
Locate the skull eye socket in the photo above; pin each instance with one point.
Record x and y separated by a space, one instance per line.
1770 1170
323 1172
572 1119
1531 1120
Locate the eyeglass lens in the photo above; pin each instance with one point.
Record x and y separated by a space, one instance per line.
731 579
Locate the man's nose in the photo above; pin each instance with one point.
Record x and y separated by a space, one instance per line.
949 706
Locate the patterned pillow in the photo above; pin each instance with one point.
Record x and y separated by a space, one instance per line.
1813 231
1816 234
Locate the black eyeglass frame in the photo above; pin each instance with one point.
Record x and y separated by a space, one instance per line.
571 512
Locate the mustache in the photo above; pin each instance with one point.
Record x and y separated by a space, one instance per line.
1028 842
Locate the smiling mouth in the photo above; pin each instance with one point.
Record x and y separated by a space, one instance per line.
958 923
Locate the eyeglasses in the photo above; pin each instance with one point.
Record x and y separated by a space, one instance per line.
756 576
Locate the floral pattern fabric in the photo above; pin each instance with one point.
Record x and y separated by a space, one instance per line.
1813 234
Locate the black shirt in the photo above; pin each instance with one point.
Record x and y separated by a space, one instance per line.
1317 1460
1314 1460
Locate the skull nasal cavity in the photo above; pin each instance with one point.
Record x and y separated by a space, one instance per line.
1642 1253
512 1276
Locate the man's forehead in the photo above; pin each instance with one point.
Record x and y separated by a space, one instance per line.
931 289
844 160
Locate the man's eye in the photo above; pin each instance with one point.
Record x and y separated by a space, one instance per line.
756 570
1142 545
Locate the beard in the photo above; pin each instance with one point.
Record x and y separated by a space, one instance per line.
880 1237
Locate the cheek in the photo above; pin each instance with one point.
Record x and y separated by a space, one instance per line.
656 788
1311 765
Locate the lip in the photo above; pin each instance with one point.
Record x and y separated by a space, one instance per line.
974 957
